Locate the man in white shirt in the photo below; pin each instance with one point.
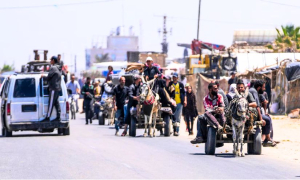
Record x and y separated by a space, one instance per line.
74 86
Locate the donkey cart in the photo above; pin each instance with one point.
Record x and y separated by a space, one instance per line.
214 139
106 110
138 122
251 136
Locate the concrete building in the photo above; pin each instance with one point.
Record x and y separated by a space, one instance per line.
117 47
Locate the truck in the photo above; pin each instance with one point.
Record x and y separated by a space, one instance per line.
202 68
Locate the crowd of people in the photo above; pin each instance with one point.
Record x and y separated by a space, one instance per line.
174 94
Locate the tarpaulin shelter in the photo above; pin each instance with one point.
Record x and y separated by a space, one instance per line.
285 85
292 71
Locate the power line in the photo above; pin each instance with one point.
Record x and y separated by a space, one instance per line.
54 5
218 21
282 4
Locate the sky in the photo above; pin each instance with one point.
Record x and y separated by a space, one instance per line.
69 27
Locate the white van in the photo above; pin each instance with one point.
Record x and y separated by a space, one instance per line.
24 103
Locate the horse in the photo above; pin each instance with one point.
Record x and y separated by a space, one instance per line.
239 107
150 103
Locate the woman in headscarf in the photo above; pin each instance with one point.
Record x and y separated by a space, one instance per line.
231 92
110 72
190 108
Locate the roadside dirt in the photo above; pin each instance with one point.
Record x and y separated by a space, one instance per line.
286 131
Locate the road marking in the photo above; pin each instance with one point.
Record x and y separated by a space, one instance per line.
127 165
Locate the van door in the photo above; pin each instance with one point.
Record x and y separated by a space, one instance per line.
44 100
24 101
3 84
2 81
63 98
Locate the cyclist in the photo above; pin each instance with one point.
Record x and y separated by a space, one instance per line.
74 86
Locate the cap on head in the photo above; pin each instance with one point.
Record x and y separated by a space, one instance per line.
187 85
175 75
232 73
54 58
149 59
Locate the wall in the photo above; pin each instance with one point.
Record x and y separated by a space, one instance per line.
250 61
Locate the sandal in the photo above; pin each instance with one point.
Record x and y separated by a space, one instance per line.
269 144
124 134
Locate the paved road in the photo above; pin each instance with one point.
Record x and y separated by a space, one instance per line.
92 151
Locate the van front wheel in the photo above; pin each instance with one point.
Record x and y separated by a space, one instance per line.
59 131
66 131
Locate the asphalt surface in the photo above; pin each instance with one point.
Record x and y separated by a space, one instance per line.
93 151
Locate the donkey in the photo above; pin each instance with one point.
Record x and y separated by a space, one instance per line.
150 103
239 107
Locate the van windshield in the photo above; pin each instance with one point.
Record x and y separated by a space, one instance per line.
25 88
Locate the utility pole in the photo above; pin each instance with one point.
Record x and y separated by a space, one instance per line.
164 43
75 68
198 20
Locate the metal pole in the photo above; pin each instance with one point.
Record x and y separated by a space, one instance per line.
198 20
75 65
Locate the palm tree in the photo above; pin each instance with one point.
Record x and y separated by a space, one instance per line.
288 39
7 68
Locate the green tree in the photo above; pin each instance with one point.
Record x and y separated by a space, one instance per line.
7 68
288 39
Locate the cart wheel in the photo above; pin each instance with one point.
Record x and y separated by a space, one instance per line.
132 126
210 145
168 126
101 118
256 146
